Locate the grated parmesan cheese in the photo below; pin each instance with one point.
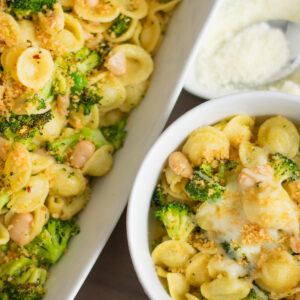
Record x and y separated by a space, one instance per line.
237 50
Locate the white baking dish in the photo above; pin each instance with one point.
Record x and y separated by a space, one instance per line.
110 193
139 220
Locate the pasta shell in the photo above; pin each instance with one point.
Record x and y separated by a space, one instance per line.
35 67
31 197
104 11
100 162
139 64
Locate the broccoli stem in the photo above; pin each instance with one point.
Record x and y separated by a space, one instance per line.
4 198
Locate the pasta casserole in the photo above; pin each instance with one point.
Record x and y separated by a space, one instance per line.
71 72
227 212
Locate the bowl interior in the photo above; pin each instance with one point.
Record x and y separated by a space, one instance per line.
252 103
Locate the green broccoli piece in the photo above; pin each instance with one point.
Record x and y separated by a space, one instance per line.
103 49
59 146
89 63
285 168
224 166
22 279
4 198
71 71
204 186
19 127
29 7
177 220
229 250
119 26
256 294
159 196
42 97
94 136
52 242
87 99
116 134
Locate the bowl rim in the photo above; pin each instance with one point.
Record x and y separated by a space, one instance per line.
138 255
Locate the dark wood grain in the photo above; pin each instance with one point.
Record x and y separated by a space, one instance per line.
113 276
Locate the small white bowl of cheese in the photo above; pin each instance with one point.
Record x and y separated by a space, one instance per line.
238 50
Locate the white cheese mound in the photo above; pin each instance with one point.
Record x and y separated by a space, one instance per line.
239 48
251 57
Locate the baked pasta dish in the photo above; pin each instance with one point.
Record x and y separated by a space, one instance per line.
227 212
71 72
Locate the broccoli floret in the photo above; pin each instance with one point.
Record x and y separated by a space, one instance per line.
4 198
59 146
52 242
177 220
116 134
256 294
94 136
22 279
88 63
71 71
18 127
119 26
87 99
226 165
204 186
285 168
159 196
29 7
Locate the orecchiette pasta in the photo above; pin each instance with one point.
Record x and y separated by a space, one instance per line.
71 72
40 218
206 143
71 38
196 271
17 168
28 35
166 6
101 11
39 162
225 288
35 67
54 127
9 59
279 273
227 210
252 156
111 36
139 64
137 9
278 134
32 196
112 91
4 235
10 33
238 129
172 253
151 33
134 95
178 286
100 162
65 181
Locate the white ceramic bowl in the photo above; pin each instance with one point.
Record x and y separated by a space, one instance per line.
253 103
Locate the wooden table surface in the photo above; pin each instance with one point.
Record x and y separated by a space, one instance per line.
113 276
